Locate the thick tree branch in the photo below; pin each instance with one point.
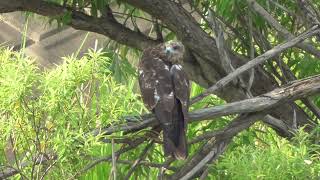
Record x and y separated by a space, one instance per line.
219 140
287 74
290 92
79 20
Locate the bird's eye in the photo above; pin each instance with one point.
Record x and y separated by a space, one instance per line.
175 47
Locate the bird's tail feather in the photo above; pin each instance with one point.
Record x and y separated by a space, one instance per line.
174 142
174 135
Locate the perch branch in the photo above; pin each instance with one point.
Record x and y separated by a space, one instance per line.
292 91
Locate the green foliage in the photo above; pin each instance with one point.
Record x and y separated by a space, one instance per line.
52 112
266 159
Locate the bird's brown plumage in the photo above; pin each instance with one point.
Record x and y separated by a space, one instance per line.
165 91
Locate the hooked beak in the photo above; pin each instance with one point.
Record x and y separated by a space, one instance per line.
168 50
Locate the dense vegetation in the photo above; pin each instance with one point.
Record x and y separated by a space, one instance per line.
83 118
51 114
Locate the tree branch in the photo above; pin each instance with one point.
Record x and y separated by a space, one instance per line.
219 140
136 162
256 61
146 163
108 158
281 30
40 159
294 90
79 20
290 92
216 146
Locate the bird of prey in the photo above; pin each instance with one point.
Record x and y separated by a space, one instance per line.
165 91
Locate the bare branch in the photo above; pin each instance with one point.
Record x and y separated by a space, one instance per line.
204 175
278 124
287 74
256 61
220 42
282 8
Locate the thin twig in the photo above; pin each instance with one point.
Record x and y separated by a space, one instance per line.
283 8
251 54
108 158
136 162
114 166
9 172
164 167
48 168
204 175
147 163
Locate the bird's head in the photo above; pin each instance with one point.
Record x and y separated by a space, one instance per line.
174 51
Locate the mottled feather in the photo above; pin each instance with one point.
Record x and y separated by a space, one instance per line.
165 91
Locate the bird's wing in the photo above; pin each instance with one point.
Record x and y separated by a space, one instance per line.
165 91
181 88
155 83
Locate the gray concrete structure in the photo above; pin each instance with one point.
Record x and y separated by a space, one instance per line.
47 43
